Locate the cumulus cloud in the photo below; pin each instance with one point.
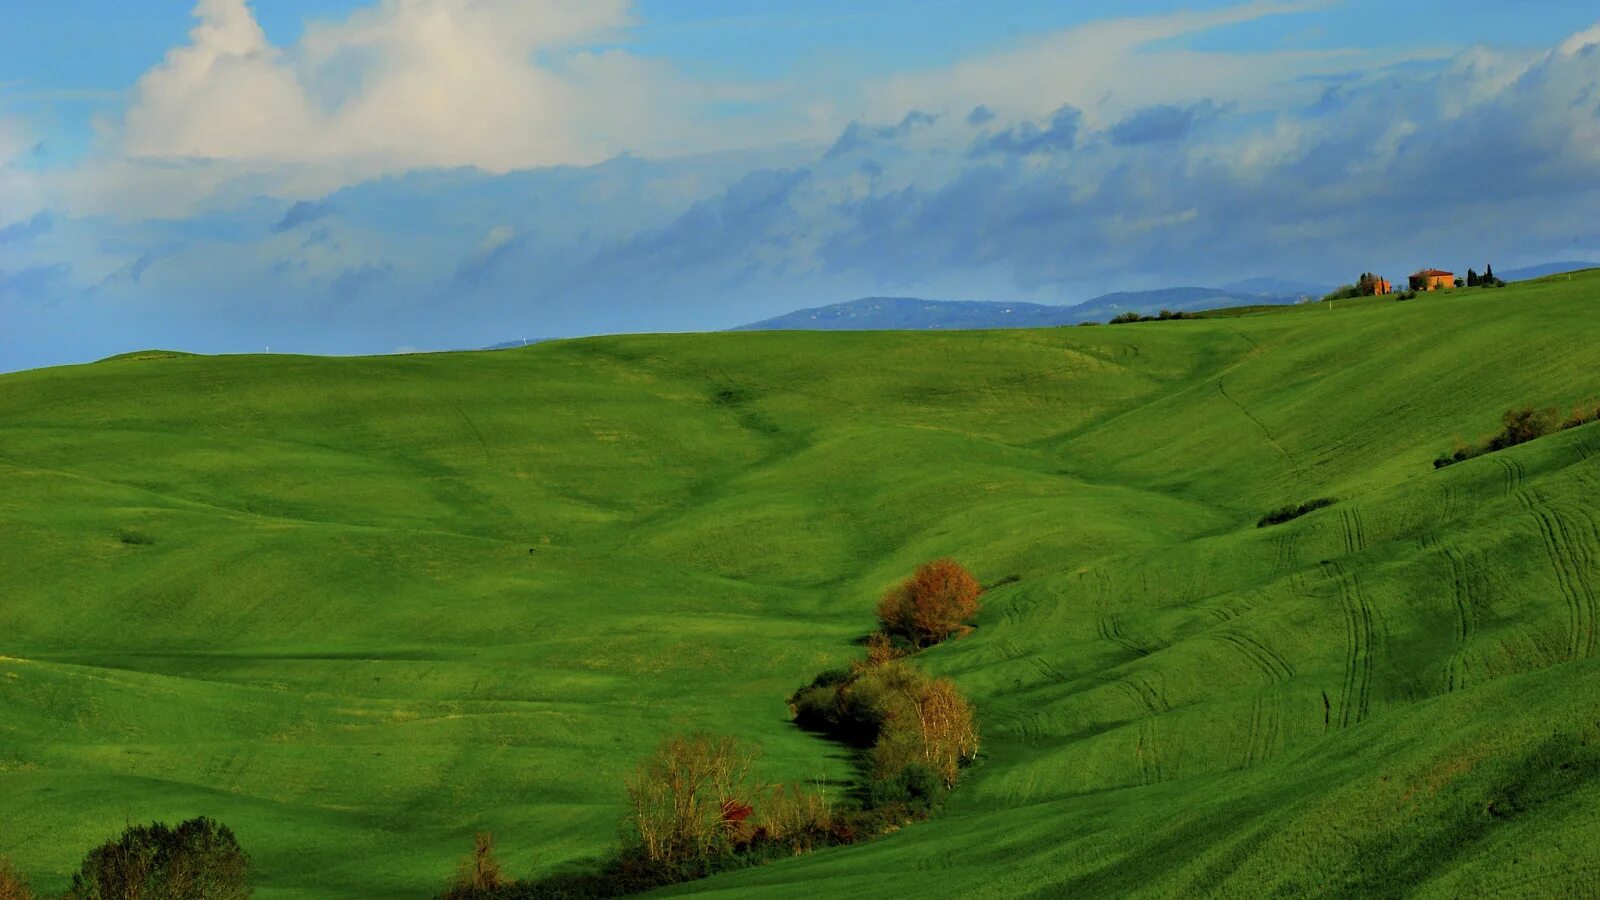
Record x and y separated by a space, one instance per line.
23 193
496 84
1581 41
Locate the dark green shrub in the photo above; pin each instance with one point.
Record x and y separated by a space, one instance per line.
1288 513
1344 292
916 788
1165 315
198 860
816 708
1519 426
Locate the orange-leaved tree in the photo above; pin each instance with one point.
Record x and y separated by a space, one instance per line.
13 886
938 600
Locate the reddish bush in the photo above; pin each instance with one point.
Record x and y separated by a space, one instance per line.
734 813
12 885
938 600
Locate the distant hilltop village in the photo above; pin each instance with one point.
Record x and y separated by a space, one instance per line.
1422 281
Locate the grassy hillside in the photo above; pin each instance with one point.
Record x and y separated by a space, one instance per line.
358 608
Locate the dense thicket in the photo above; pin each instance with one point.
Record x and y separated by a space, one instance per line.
1291 512
1163 316
1521 425
198 860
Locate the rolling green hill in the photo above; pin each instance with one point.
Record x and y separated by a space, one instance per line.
359 608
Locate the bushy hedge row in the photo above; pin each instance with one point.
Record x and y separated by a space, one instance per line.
1289 513
903 718
1163 316
1519 426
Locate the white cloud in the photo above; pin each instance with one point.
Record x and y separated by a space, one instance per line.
404 84
1109 67
1581 41
22 191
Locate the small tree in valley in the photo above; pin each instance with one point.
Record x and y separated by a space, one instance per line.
938 600
198 860
479 871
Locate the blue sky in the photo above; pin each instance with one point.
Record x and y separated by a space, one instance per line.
359 176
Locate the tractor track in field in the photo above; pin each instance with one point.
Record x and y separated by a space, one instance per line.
1355 531
477 434
1568 560
1466 602
1262 734
1287 557
1266 660
1146 695
1360 634
1452 503
1048 669
1110 626
1515 473
1149 753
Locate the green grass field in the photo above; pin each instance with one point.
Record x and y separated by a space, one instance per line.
359 608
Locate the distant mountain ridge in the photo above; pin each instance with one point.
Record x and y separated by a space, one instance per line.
1529 272
915 313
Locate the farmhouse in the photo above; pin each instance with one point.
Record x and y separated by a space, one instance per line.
1381 287
1433 280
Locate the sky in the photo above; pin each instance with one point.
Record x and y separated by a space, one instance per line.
378 176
